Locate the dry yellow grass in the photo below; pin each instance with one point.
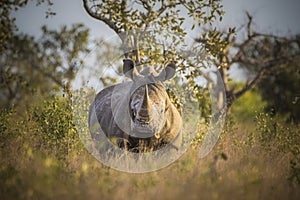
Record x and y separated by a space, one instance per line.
235 169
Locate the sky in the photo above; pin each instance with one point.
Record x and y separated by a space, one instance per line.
280 17
270 16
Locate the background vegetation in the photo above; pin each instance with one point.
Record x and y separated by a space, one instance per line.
256 157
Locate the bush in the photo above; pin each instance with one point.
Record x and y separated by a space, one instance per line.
54 119
275 135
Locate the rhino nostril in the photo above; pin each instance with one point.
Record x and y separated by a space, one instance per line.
143 122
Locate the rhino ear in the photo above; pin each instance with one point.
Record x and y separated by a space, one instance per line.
128 66
170 71
167 73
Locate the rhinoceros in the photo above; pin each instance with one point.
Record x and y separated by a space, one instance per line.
138 115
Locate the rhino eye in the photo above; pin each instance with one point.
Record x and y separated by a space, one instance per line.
133 113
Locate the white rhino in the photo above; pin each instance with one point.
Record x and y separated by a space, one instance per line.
138 115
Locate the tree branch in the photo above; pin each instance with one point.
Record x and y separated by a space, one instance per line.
48 75
249 24
146 5
107 21
262 71
250 85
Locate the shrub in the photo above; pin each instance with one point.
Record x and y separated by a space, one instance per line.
273 134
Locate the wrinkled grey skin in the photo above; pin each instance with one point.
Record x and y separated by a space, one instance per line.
147 120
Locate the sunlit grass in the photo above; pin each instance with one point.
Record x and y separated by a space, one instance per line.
239 167
247 173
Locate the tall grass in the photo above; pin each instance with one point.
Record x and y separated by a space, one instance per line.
37 162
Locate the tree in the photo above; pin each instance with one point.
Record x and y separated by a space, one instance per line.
261 55
162 17
7 23
152 31
280 87
41 66
258 53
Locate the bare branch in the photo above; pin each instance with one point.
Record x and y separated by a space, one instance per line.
249 24
250 85
275 62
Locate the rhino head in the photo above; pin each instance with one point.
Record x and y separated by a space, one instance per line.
149 101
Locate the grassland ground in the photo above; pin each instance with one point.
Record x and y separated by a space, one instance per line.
237 168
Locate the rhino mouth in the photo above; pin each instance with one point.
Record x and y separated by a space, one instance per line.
142 130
